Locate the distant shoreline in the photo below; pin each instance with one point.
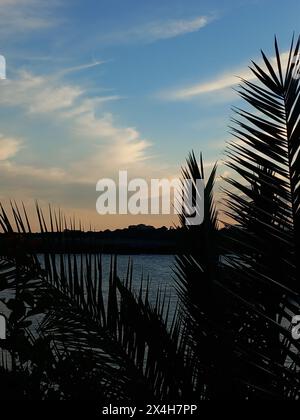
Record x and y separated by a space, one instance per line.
135 240
140 239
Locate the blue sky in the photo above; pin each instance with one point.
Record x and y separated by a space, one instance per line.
96 86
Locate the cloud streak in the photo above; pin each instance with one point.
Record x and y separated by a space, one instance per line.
223 82
154 31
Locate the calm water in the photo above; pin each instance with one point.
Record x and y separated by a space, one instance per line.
159 269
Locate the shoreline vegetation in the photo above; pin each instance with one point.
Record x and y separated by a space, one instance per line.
136 239
132 240
231 336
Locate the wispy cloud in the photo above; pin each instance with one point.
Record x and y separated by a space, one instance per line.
107 144
38 94
223 82
9 147
81 67
19 16
154 31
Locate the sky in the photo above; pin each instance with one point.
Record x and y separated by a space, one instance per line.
98 86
